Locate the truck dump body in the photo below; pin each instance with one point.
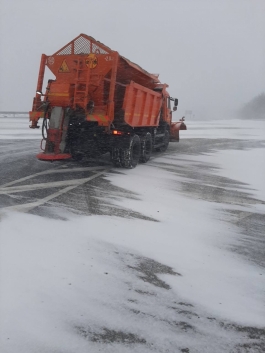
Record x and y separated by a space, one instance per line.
101 90
141 106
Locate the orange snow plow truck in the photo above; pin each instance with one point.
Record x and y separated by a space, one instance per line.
101 102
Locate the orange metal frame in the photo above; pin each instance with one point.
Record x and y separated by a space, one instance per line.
79 79
87 70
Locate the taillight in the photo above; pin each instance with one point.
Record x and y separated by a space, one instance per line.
116 132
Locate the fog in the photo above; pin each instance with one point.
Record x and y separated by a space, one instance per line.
211 53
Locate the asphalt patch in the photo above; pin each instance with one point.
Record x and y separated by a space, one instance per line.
149 269
111 336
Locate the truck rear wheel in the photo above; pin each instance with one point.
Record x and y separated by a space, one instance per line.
146 148
115 157
130 156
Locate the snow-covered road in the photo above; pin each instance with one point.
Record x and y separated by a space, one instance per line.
167 257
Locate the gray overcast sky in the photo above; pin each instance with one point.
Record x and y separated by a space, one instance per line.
210 52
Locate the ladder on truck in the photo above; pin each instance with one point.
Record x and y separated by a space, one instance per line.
81 84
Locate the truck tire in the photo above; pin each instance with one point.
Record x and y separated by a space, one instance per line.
146 148
115 157
130 156
165 141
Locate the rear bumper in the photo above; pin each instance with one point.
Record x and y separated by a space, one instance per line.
53 156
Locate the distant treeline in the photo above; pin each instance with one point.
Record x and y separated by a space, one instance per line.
255 109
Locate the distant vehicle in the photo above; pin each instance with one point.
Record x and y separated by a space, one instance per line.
101 102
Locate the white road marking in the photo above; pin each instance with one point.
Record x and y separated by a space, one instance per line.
52 184
51 171
28 206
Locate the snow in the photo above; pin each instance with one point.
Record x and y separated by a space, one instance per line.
247 166
63 279
16 126
191 241
233 128
57 276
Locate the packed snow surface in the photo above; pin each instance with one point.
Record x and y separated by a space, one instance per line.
63 281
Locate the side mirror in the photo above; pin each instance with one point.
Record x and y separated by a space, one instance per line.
176 102
175 108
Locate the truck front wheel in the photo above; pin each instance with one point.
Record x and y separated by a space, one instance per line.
165 141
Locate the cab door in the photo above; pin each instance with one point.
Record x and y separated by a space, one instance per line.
168 110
